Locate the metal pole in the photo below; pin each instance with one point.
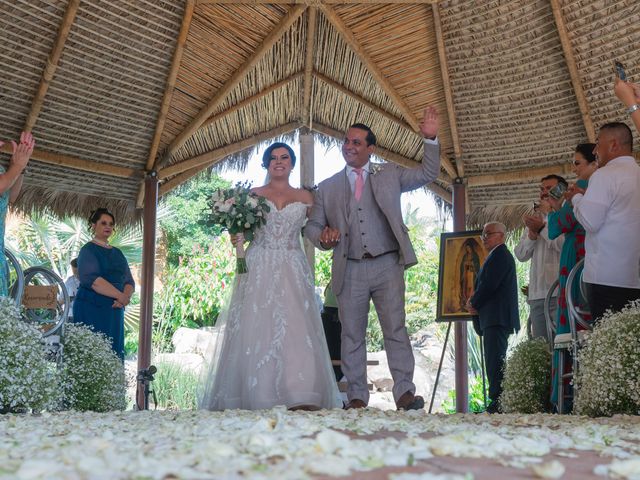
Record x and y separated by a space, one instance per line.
435 384
148 268
460 329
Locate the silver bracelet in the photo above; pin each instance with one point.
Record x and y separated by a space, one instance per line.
633 108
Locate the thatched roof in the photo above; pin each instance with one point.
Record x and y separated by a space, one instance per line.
113 89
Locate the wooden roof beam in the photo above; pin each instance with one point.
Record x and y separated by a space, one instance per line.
320 2
52 64
209 158
370 65
171 82
444 68
308 66
391 157
285 23
363 101
573 70
518 175
80 163
252 99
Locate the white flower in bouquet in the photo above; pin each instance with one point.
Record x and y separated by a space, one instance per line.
239 211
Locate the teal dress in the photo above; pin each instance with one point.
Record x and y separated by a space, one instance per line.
564 222
4 267
93 309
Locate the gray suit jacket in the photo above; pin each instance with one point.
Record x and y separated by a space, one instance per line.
387 184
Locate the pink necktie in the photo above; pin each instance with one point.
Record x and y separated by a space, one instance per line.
359 183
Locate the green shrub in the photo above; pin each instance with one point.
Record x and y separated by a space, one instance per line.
193 292
175 387
27 380
608 380
527 378
476 398
92 374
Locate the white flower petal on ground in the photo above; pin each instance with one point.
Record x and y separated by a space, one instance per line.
552 469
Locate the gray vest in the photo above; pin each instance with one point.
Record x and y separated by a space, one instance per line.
369 230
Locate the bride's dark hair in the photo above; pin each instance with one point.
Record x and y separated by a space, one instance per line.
266 157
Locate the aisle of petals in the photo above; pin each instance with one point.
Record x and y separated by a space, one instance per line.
296 445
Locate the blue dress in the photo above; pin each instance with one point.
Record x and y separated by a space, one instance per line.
96 310
4 267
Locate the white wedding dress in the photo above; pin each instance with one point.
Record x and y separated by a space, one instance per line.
271 349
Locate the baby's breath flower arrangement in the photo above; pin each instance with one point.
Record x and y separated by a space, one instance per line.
239 211
608 379
92 374
27 379
527 378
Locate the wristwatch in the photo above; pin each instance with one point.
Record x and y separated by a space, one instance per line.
633 108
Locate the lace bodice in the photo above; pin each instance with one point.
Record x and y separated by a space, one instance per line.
283 227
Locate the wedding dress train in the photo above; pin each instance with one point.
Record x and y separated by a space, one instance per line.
271 349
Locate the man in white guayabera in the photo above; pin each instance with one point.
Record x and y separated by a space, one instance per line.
609 211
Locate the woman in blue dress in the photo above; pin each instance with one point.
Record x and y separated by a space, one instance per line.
106 284
10 185
563 221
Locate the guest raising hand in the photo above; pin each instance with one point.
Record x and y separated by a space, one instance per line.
10 185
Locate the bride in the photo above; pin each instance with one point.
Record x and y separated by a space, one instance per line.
271 349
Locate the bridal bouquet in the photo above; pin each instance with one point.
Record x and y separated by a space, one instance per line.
239 211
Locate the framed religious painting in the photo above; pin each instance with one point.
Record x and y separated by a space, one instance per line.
461 256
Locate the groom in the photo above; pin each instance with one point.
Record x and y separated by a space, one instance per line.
357 213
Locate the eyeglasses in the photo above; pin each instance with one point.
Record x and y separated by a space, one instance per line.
485 235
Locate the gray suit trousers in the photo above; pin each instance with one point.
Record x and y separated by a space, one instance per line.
379 279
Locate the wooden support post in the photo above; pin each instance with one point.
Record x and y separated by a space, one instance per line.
460 328
307 162
148 270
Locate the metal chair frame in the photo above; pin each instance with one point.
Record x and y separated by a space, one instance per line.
53 337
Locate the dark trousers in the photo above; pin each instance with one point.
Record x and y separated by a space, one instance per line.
495 350
332 331
605 297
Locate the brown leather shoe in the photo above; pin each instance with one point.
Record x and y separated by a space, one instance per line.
355 403
409 401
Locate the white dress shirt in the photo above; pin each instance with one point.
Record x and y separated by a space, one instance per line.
545 260
609 211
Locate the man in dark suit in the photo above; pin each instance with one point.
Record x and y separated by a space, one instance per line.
494 305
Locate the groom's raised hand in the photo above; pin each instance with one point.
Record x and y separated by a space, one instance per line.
329 237
430 123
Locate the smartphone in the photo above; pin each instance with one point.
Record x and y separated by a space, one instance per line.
557 191
620 71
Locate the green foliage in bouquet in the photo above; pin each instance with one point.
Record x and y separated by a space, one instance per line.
92 376
238 210
27 380
527 378
608 379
